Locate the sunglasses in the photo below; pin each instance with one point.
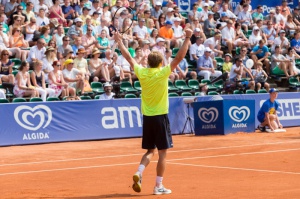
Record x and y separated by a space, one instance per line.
18 30
89 30
5 54
66 40
58 65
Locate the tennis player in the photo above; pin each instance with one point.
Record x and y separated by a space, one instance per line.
155 107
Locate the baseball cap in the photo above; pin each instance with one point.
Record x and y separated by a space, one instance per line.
256 28
158 3
281 31
297 8
229 55
177 19
170 10
68 61
86 8
197 30
78 20
105 5
107 84
224 14
207 49
159 39
211 13
205 5
169 22
272 90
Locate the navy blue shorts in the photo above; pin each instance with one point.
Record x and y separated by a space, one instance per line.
156 132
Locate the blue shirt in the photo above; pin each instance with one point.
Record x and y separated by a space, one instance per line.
204 62
267 107
183 65
66 9
295 43
75 49
262 54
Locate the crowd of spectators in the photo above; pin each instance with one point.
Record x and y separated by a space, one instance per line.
65 45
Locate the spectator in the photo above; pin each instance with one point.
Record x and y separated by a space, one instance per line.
228 36
75 30
113 68
45 34
81 64
23 87
18 13
153 37
3 24
98 68
89 42
95 7
4 44
260 77
65 45
261 53
106 15
17 40
145 48
204 13
281 65
290 26
279 17
103 26
68 54
77 45
2 94
285 8
195 24
245 18
222 22
50 57
39 6
296 15
68 12
57 13
41 19
57 82
194 13
167 33
160 46
258 14
271 17
10 7
216 15
196 50
151 26
37 52
103 42
197 33
183 71
156 11
38 81
205 66
28 11
295 43
125 66
240 38
226 10
243 54
270 33
95 19
139 55
203 89
255 37
127 35
73 77
59 35
17 24
6 68
140 31
214 43
227 64
292 56
281 41
107 92
31 28
210 25
161 21
170 15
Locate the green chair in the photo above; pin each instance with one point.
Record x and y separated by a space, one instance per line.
97 97
250 91
127 87
194 84
297 62
174 52
294 82
186 94
137 85
97 87
17 63
19 99
171 87
130 95
66 29
219 84
184 14
15 72
262 91
210 87
182 85
36 99
85 97
52 99
220 61
2 100
118 51
197 93
213 93
173 95
237 92
248 34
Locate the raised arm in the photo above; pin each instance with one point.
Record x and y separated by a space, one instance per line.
124 51
182 51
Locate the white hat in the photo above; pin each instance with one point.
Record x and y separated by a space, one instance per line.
255 28
107 84
170 9
281 31
158 3
177 19
197 30
207 49
159 39
78 20
205 5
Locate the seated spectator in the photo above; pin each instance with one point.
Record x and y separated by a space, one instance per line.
260 77
56 12
41 19
240 39
5 28
97 68
68 12
156 12
10 7
6 68
203 89
292 56
281 41
28 11
59 35
4 45
19 14
183 71
75 30
167 61
255 37
214 43
107 92
89 42
88 23
160 46
209 26
261 53
81 64
193 13
271 17
113 68
38 81
65 45
270 33
196 50
57 82
37 52
153 37
243 54
280 19
281 65
296 15
103 42
151 26
167 33
40 5
258 14
145 48
161 21
139 55
45 34
23 87
290 26
222 22
125 66
48 59
17 40
77 45
127 35
106 14
73 77
295 43
227 63
17 24
140 31
228 36
31 28
245 17
205 66
225 9
170 14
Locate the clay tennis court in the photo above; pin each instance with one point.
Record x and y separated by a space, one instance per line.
256 165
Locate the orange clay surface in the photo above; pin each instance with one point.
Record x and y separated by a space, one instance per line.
241 166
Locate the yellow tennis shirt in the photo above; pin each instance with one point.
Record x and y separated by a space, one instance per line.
154 83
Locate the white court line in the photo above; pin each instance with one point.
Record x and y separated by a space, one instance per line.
236 168
139 154
234 154
111 165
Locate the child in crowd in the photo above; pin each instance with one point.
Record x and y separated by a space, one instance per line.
260 77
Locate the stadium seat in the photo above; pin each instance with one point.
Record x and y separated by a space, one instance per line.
262 91
17 63
51 99
194 84
174 52
294 82
250 91
248 34
127 87
220 61
137 85
197 93
130 95
2 100
118 51
173 95
97 87
15 72
182 85
213 93
36 99
186 94
85 97
66 29
237 92
171 87
97 97
19 99
237 50
219 84
209 85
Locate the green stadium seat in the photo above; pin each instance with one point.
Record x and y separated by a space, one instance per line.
137 85
19 99
36 99
219 84
85 97
118 51
294 82
171 87
262 91
66 29
130 95
213 93
197 93
174 52
250 91
209 85
52 99
17 63
15 72
186 94
97 97
220 61
173 95
182 85
97 87
127 87
2 100
194 84
237 92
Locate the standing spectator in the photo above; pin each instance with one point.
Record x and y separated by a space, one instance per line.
6 68
23 87
205 66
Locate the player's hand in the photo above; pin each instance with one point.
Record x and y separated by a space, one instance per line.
280 126
117 36
188 32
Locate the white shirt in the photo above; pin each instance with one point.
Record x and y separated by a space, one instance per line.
254 39
121 61
177 31
211 41
38 7
106 97
100 28
277 42
2 39
280 17
42 21
227 33
203 15
36 53
196 50
70 74
232 74
141 32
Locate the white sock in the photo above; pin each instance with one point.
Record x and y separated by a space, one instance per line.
141 168
159 180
